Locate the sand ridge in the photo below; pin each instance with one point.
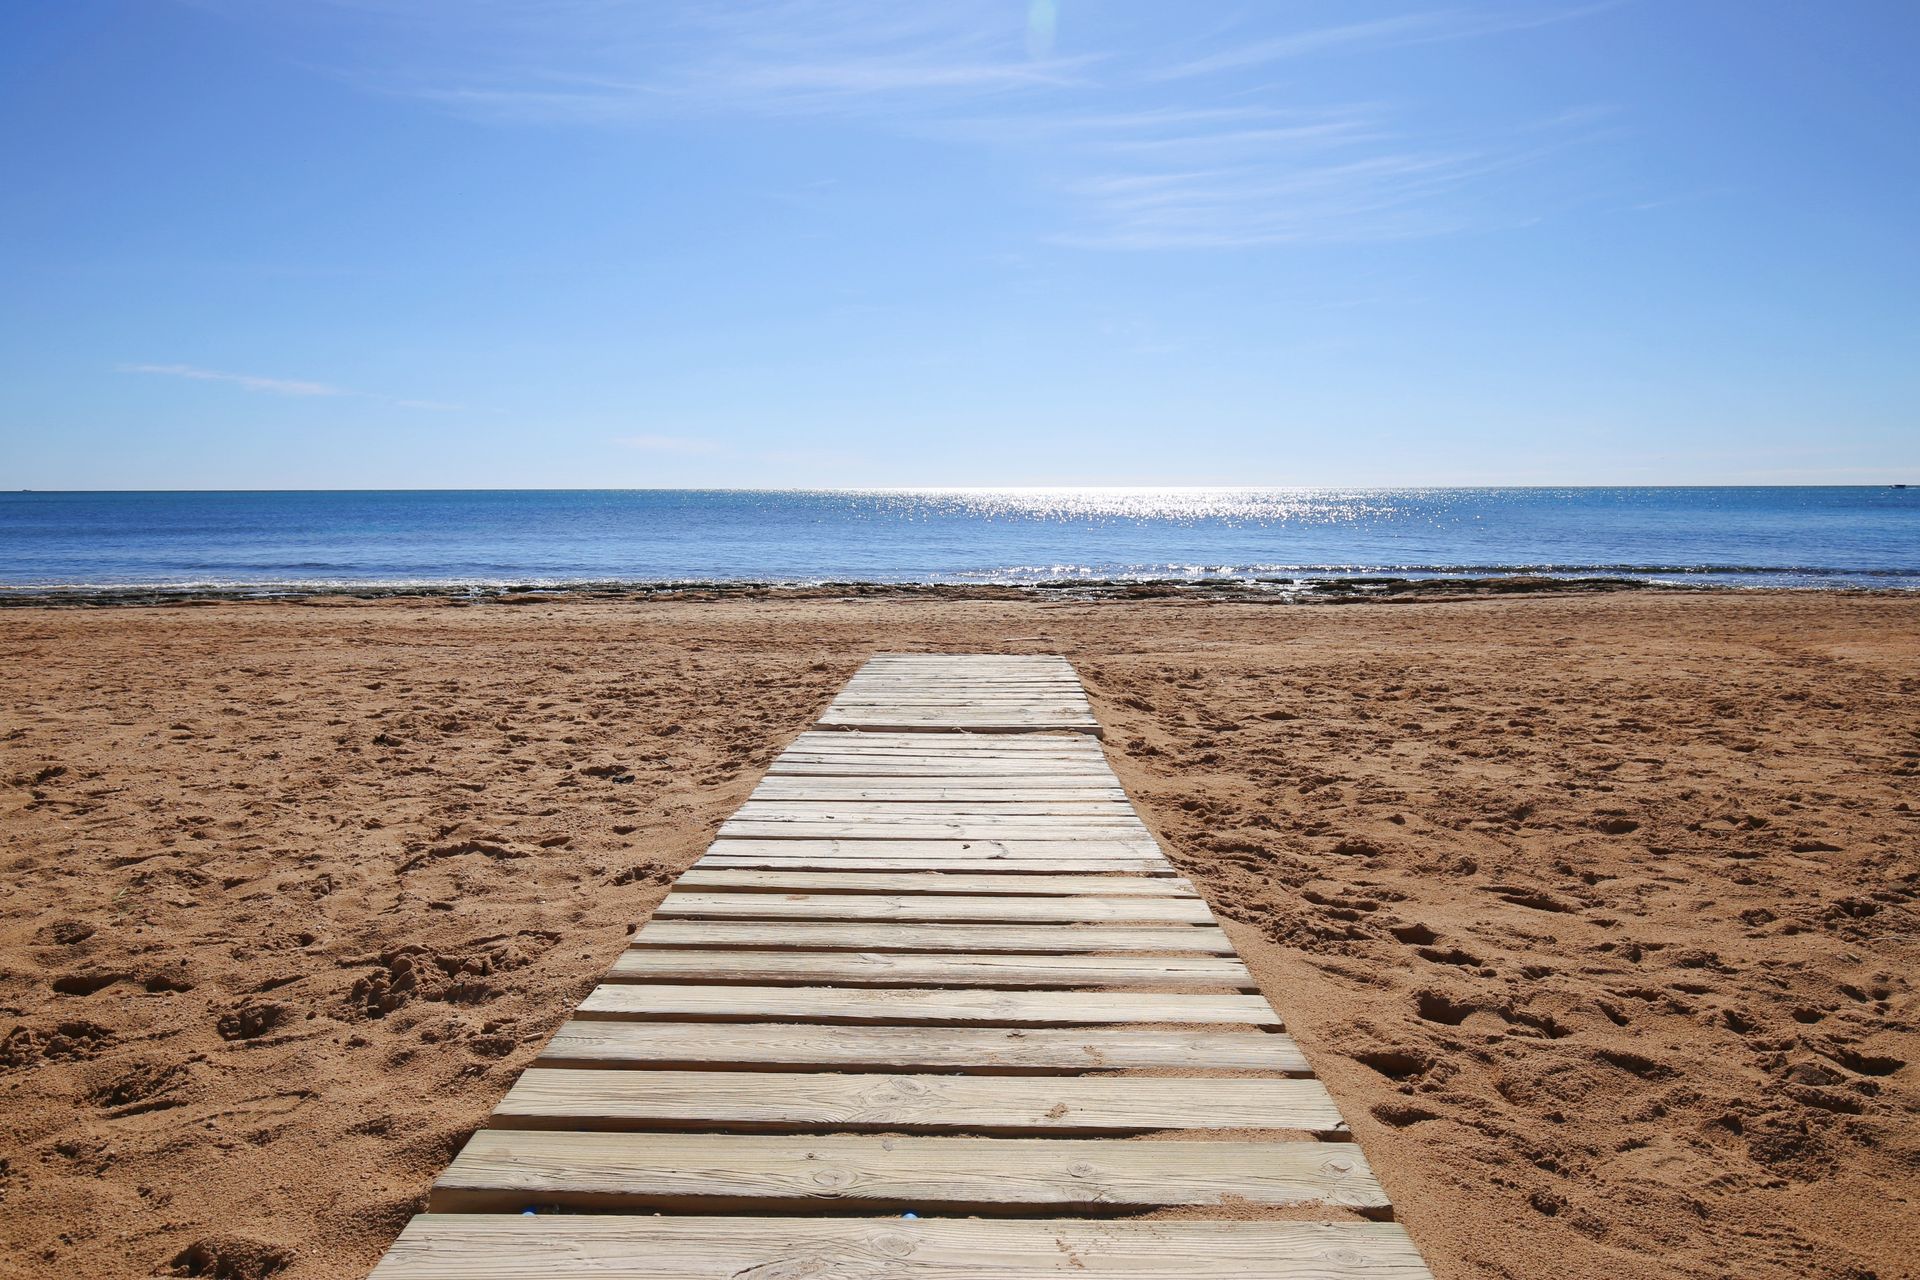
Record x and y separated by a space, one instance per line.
1596 913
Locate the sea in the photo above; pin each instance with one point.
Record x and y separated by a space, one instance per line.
267 542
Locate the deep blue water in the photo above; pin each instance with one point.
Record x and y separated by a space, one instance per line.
1865 536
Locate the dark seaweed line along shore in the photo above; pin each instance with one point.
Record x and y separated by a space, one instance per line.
1258 590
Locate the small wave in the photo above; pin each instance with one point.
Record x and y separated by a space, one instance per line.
1027 573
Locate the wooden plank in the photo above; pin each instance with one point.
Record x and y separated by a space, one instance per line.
1031 812
886 969
961 740
1069 749
1036 674
853 720
1062 749
900 829
1012 683
930 907
766 1046
939 715
1041 691
934 882
1013 813
993 767
909 775
799 860
917 1005
1090 761
969 662
503 1170
1012 701
869 790
1104 848
1062 939
978 677
1012 698
976 772
1033 777
1021 785
793 1102
1010 857
1032 690
514 1247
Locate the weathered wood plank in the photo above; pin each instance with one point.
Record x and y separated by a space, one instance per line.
1030 812
934 882
920 1005
795 1102
960 710
919 772
984 724
1057 938
930 907
963 969
872 791
1027 691
1088 762
1065 749
939 773
502 1170
764 1046
961 740
901 829
513 1247
801 861
1108 847
1012 697
1086 785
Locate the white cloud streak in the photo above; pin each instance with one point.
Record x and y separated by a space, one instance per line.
1412 28
1148 148
252 382
280 386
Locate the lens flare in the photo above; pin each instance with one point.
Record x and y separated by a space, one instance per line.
1043 18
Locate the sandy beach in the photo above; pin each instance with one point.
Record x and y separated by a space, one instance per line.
1597 913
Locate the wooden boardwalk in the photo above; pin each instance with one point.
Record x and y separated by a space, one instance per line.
932 1005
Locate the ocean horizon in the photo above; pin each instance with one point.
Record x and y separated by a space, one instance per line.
290 540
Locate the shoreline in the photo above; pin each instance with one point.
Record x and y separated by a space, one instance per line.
1276 590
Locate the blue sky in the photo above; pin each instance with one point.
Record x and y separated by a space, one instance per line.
448 243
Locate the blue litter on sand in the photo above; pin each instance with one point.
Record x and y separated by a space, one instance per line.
910 1215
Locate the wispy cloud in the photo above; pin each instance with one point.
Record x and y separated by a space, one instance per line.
1403 29
1148 144
281 386
252 382
606 64
1356 182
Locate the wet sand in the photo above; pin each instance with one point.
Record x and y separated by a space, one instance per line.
1596 912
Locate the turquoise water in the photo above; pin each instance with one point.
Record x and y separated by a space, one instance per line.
1824 537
